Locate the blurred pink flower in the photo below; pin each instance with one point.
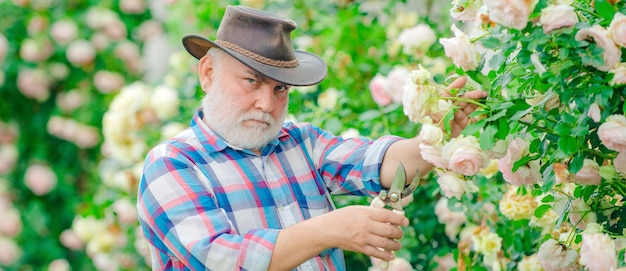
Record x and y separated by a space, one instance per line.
40 179
557 16
451 219
8 157
36 50
133 6
37 24
129 52
464 155
397 264
620 163
70 240
395 82
64 31
116 30
80 53
617 29
580 214
379 89
589 174
69 101
11 252
612 132
4 47
460 50
598 34
125 210
445 263
597 252
527 174
510 13
34 83
107 81
11 224
59 265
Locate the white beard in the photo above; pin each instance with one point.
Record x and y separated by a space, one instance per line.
218 115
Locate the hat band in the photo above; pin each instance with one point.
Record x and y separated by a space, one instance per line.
257 57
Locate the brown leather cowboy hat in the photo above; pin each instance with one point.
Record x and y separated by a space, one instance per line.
262 41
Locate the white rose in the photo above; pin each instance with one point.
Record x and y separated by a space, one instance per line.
419 38
589 174
165 102
555 256
557 16
430 134
617 29
461 50
453 185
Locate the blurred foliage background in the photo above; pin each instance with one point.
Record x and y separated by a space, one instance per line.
88 87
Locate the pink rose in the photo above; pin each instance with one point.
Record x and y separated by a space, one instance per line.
619 75
620 163
510 13
36 50
464 155
379 88
600 36
594 112
69 101
612 133
125 210
527 174
617 29
589 174
461 50
557 16
11 224
133 6
597 252
129 52
59 265
40 179
8 157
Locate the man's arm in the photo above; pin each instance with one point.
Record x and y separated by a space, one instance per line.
355 228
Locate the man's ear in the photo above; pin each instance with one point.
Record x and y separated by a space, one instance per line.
206 71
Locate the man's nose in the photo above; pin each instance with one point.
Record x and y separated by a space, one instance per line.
265 99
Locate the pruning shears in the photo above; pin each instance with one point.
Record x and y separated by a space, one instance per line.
397 191
392 198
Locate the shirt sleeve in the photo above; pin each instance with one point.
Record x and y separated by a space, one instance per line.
352 165
180 218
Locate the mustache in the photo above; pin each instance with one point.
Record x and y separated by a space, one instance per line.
258 116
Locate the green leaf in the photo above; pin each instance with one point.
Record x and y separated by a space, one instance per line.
542 210
369 115
577 163
567 144
605 9
487 138
548 198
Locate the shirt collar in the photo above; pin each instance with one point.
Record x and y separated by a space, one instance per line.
213 142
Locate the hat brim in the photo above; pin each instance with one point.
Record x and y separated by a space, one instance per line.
311 68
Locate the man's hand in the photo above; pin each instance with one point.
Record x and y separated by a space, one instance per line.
371 231
464 109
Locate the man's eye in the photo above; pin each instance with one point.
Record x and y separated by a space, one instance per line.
251 81
281 88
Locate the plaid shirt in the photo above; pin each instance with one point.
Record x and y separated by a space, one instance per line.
204 205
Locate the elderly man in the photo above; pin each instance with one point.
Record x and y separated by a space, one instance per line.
241 190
